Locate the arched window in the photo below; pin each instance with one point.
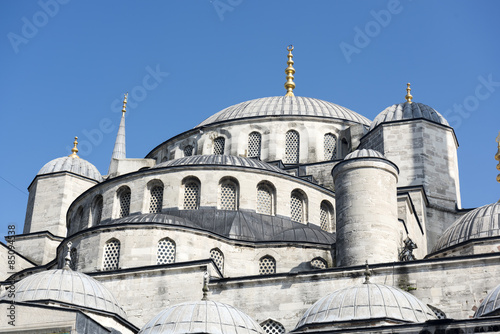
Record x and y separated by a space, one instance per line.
111 257
219 143
228 195
292 143
254 143
156 199
124 196
188 150
265 199
218 257
272 327
330 146
267 265
74 258
166 251
191 194
97 210
318 263
298 206
326 216
80 223
344 147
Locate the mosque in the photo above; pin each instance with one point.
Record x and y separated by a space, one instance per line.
281 214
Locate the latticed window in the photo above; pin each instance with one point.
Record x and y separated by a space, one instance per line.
97 211
219 143
272 327
254 143
188 150
218 258
228 196
264 200
191 195
74 258
318 263
326 216
124 203
267 265
111 258
156 201
166 251
292 143
297 207
330 146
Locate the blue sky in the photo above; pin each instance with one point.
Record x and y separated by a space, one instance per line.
65 65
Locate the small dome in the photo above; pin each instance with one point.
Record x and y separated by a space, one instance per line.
490 305
405 110
364 302
201 317
221 160
482 222
67 286
69 164
285 106
364 153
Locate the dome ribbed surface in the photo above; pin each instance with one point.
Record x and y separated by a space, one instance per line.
482 222
285 106
221 160
201 317
403 111
67 286
490 304
364 153
69 164
364 302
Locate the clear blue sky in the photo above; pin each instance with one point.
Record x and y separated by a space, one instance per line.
65 65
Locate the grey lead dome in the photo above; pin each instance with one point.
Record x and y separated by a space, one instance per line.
69 164
285 106
407 111
490 305
364 153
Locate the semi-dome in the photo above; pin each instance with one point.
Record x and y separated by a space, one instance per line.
221 160
490 305
68 287
201 317
71 164
482 222
364 153
285 106
407 111
366 302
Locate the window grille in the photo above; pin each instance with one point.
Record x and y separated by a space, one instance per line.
297 208
326 216
228 196
97 212
254 143
292 142
166 251
191 196
264 200
156 201
188 151
318 263
111 255
219 143
330 146
272 327
267 265
74 258
124 203
218 258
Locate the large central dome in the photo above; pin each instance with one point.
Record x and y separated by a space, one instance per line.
285 106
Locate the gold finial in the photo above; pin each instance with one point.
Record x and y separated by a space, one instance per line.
408 96
367 273
290 71
67 259
205 286
74 150
497 156
124 109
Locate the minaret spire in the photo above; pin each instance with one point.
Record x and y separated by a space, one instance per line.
290 71
408 96
119 151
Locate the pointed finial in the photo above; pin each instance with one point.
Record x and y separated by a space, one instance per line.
74 150
205 286
67 259
367 273
497 156
124 109
408 96
290 71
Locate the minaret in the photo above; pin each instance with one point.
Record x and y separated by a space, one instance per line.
119 151
290 71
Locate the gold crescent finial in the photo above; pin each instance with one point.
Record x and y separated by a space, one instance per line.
290 71
67 259
367 273
497 156
74 150
408 96
124 109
